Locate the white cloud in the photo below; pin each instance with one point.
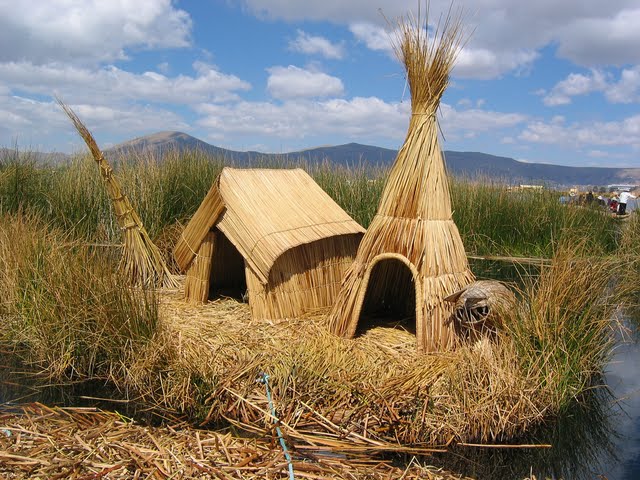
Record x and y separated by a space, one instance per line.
88 31
315 45
627 89
111 84
361 118
610 39
303 122
575 84
473 121
294 82
482 63
373 36
30 122
625 132
506 37
624 90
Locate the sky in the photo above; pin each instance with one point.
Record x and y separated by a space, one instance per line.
550 81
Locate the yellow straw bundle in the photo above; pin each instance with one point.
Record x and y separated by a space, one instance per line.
141 261
277 227
413 228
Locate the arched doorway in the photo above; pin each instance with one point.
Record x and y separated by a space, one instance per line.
392 291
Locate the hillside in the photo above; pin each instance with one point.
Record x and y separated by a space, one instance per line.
466 164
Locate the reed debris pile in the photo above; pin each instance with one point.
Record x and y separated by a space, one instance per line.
85 443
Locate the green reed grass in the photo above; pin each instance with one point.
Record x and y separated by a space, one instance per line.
493 219
67 313
564 331
166 189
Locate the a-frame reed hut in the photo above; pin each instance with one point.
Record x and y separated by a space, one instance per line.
412 256
274 234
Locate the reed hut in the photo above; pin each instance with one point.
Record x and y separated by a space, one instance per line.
274 234
412 256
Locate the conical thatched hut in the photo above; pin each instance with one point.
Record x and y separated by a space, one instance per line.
274 234
412 255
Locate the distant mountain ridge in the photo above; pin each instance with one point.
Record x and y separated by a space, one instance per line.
465 164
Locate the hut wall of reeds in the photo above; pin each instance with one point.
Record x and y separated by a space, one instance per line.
272 234
413 230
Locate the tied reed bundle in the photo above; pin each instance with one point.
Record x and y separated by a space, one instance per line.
413 229
142 261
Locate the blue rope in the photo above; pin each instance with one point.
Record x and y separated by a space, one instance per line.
264 378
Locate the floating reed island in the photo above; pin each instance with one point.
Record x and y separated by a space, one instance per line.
360 342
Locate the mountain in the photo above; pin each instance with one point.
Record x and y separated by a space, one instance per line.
465 164
169 141
7 155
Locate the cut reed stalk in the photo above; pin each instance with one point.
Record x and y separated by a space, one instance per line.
43 442
142 261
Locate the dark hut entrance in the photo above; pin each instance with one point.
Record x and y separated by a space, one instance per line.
390 299
228 277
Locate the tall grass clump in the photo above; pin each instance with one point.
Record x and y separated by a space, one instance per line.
356 189
20 178
167 188
563 334
68 315
493 219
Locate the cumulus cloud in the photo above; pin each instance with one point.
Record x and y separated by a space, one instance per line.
316 45
627 89
31 122
587 32
375 37
624 90
465 121
605 40
88 31
303 122
625 132
361 117
471 62
482 63
111 84
575 84
294 82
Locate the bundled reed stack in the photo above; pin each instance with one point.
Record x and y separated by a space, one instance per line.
272 234
141 260
413 239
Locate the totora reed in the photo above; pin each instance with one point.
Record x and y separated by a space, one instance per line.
412 240
142 261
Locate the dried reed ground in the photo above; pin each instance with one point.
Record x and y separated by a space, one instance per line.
375 392
84 443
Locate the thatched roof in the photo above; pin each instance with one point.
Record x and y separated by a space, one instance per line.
264 213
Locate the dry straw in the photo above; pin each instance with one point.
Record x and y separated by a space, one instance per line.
85 443
413 229
287 236
142 261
